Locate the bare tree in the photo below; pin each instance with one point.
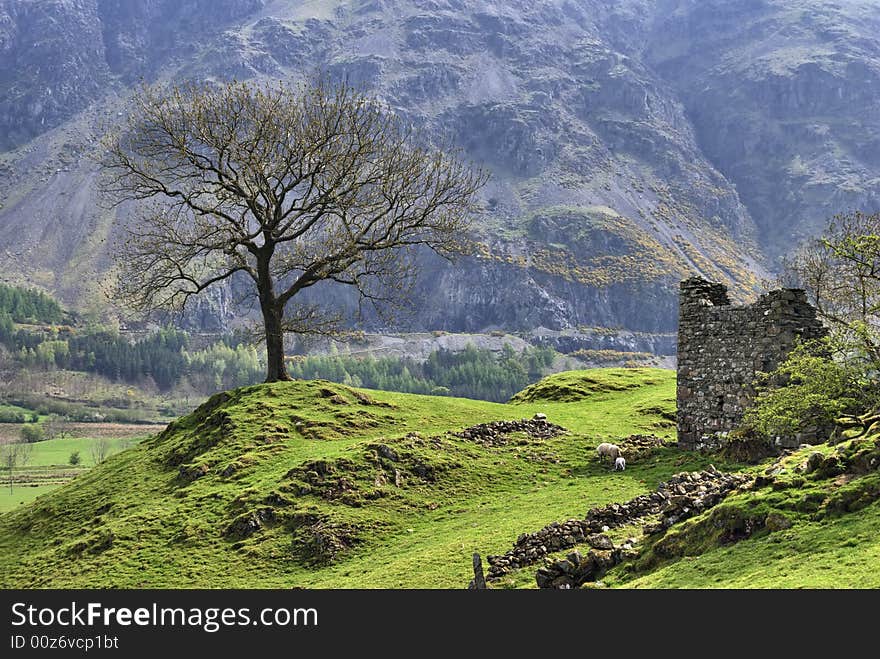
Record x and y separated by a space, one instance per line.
99 449
286 186
841 272
56 427
14 454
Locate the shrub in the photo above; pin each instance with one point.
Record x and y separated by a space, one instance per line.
810 388
13 416
32 432
74 458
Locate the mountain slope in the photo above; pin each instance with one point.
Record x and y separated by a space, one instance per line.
630 143
784 99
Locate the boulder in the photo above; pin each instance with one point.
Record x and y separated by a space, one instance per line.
830 466
777 522
387 452
600 541
544 577
813 461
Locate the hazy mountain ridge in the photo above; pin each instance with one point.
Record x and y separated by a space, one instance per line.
785 101
625 152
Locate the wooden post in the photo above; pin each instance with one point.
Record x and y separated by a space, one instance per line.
479 582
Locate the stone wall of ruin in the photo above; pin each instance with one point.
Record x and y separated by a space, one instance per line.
721 348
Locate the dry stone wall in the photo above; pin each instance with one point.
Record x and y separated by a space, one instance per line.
682 496
721 348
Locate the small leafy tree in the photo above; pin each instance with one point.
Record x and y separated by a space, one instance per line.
74 458
840 270
810 388
32 432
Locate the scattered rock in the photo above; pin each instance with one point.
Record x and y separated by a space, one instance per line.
777 522
830 466
599 541
387 452
639 447
544 577
813 461
190 473
567 573
319 541
247 524
496 433
763 481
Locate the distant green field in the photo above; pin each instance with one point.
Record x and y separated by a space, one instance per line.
21 494
57 451
50 460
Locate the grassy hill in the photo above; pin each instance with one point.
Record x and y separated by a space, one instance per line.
318 485
817 530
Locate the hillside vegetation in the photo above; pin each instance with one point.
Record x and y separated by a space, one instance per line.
819 529
293 484
319 485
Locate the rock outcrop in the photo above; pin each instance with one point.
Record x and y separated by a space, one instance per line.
496 433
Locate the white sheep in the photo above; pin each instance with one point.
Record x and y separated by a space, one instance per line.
619 463
606 450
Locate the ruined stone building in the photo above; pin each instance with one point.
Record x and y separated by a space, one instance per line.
721 347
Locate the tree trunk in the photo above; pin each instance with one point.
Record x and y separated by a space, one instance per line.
273 315
276 370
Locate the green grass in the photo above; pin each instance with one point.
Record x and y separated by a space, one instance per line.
833 541
587 385
167 531
303 461
49 467
21 494
56 452
837 553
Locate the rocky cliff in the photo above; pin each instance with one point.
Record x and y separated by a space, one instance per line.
630 143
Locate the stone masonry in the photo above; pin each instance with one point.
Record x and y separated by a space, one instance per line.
721 348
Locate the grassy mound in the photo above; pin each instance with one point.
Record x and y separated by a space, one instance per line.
575 386
316 484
